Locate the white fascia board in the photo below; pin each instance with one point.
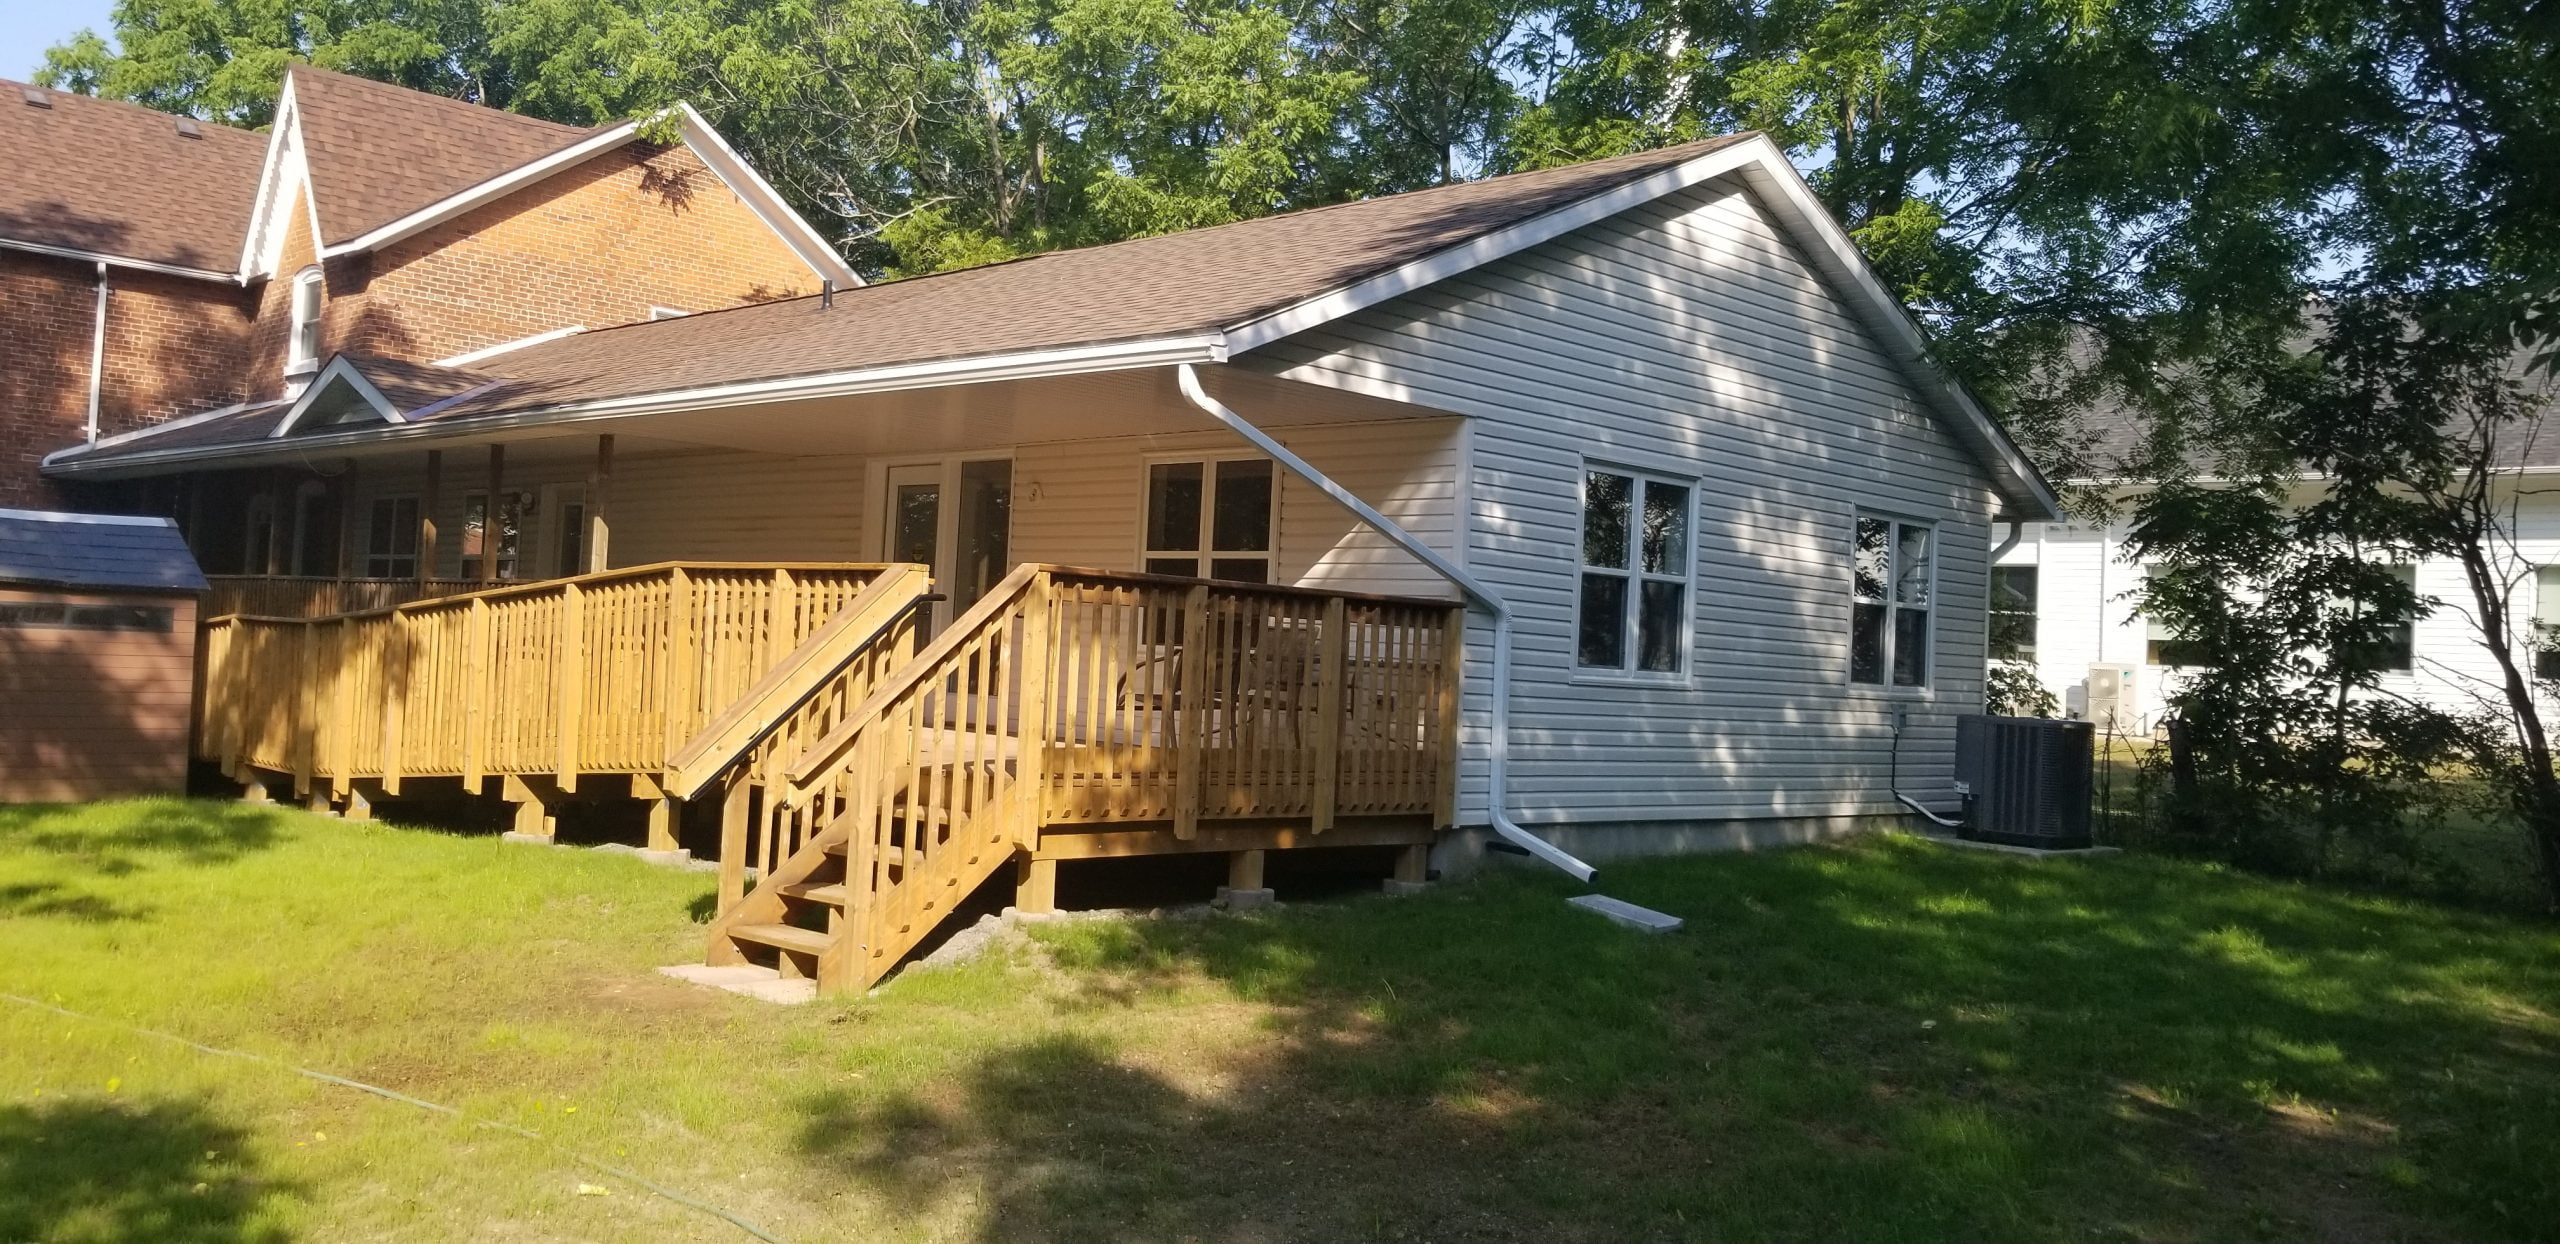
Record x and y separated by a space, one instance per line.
1031 365
283 170
474 356
119 261
1837 254
761 198
496 187
1765 169
341 370
126 438
1509 240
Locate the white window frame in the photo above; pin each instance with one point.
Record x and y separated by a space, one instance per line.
373 529
1631 610
2541 629
1204 555
1893 606
302 339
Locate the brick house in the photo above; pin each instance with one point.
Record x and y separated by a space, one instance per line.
160 268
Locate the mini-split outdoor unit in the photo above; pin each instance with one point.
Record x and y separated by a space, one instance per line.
2113 701
2026 779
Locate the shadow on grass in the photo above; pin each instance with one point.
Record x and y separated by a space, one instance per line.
1883 1040
103 1170
115 839
37 899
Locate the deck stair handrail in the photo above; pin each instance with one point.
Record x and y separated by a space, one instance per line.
606 673
1067 696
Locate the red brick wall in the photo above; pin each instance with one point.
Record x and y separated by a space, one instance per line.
596 245
173 348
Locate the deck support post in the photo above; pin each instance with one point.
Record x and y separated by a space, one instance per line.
359 801
536 820
1035 885
1244 886
665 811
1413 870
253 786
733 841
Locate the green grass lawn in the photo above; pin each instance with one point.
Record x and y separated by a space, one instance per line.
1887 1040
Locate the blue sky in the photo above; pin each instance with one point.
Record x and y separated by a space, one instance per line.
27 29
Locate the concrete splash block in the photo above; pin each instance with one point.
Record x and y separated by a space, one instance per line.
1641 919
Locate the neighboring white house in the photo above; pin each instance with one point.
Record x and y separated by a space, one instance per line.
2063 602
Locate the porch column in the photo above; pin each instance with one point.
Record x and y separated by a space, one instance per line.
493 514
279 525
347 521
427 515
599 526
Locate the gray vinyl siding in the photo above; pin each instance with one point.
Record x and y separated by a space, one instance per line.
1690 339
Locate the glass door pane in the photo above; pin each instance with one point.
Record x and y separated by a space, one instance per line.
985 532
915 516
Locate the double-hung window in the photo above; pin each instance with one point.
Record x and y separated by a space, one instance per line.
1892 585
391 539
302 349
1217 511
1633 613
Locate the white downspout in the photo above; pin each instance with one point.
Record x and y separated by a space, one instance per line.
1477 594
97 353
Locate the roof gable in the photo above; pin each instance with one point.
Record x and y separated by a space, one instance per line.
378 152
98 178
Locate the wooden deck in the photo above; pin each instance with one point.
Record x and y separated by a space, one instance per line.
871 780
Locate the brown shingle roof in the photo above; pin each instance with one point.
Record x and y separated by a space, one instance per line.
1179 284
379 152
119 179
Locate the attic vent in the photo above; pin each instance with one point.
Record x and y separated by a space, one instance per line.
35 97
187 128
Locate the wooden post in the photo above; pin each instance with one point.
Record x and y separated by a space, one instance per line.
308 715
1193 719
1453 664
570 650
533 808
664 811
1334 672
1039 663
1244 871
733 842
599 489
675 691
1413 865
493 512
399 663
278 525
347 521
360 801
475 694
1035 885
342 711
427 515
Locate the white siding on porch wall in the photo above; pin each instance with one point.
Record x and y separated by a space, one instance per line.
1075 502
1688 338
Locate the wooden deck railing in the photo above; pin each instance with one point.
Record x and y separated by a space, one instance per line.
1068 695
312 596
602 673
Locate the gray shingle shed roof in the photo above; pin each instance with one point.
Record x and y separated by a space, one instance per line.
110 552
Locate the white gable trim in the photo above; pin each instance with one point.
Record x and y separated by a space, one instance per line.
339 369
761 198
474 356
698 137
1765 170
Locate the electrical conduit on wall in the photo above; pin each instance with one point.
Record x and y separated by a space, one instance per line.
1477 595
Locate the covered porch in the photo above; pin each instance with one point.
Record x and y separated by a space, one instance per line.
900 644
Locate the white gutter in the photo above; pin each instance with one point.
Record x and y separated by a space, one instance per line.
97 354
1477 594
120 261
1071 361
